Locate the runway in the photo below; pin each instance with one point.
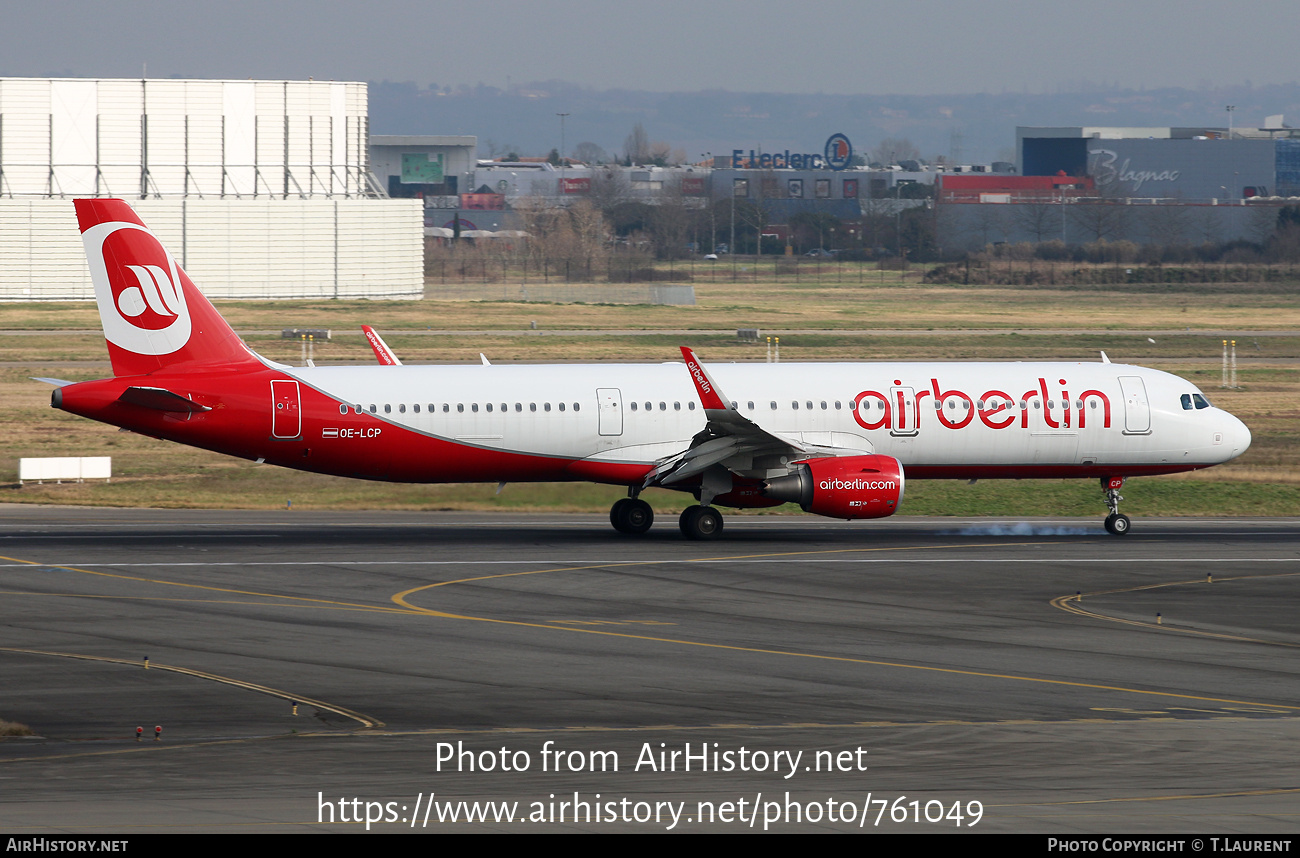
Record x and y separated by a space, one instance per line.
797 674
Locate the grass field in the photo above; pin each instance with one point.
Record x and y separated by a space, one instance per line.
899 319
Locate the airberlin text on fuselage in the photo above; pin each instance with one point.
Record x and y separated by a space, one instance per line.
900 408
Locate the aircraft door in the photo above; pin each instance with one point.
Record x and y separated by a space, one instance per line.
1137 410
609 402
286 414
906 411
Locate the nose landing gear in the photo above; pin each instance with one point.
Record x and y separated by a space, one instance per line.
1117 523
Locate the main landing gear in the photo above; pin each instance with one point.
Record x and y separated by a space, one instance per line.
1116 523
700 522
633 516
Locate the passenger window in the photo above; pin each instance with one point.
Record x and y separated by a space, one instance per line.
546 407
823 405
677 406
446 406
634 406
663 406
519 406
794 405
402 408
690 406
575 406
474 408
343 409
489 408
416 408
373 408
773 405
561 406
460 406
532 406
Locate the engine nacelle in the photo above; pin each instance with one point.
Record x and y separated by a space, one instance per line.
843 487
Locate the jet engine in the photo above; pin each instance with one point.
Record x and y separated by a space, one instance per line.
842 487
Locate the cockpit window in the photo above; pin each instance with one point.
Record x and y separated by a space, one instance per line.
1200 400
1187 401
1194 400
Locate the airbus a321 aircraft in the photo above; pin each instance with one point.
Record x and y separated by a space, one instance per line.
838 439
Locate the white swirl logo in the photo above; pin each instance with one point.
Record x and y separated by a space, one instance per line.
138 288
156 292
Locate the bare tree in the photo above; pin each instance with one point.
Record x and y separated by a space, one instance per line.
566 240
1207 225
671 220
1168 225
988 222
1037 217
891 150
637 145
1105 216
590 153
609 189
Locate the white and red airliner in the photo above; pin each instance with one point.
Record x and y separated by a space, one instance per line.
836 438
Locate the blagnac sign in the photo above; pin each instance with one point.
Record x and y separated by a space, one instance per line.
837 155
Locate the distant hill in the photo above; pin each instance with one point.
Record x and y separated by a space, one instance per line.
974 128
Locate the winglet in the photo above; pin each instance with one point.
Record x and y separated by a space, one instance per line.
710 396
381 349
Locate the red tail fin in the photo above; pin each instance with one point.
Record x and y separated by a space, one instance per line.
153 315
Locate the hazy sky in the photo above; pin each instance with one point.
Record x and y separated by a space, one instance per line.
833 46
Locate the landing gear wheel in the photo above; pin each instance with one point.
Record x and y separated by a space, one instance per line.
700 522
1118 524
617 510
632 516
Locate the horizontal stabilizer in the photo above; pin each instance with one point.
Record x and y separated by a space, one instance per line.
57 382
160 400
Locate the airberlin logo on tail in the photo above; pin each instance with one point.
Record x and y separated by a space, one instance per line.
157 292
138 289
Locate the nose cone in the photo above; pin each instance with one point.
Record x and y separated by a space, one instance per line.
1236 437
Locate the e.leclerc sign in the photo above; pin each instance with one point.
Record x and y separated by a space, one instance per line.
837 155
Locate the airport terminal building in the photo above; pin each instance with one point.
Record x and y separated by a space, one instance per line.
262 189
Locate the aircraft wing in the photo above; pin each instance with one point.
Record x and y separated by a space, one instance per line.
728 436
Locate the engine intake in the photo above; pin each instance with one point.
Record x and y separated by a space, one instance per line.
845 487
